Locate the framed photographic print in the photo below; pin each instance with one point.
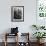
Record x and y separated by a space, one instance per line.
17 13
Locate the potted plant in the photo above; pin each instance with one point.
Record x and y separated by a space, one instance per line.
38 27
39 35
35 26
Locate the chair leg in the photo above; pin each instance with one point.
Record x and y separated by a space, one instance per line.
5 40
5 43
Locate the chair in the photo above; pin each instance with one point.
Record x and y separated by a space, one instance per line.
26 41
8 35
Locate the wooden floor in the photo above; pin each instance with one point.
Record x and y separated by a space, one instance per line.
13 44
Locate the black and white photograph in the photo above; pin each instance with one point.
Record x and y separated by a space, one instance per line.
17 13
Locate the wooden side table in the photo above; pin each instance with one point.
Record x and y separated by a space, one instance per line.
8 34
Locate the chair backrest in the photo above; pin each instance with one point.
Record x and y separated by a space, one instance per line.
24 37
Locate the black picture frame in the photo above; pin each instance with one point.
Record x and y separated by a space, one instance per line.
17 13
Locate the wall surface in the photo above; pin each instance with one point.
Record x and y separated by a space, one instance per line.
29 15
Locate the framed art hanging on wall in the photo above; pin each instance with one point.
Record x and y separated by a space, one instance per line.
17 13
